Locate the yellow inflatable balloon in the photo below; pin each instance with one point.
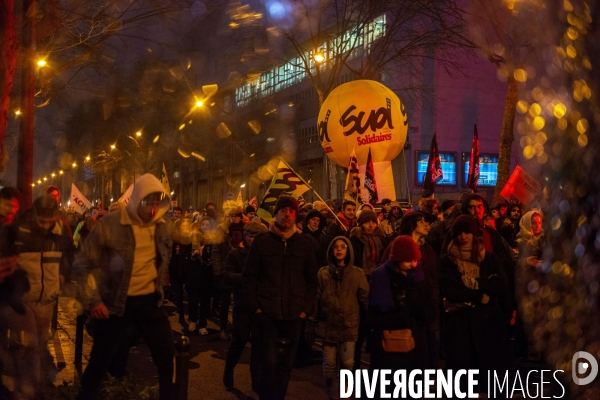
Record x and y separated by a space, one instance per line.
362 114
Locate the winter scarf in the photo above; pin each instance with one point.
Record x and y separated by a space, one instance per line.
469 268
373 247
344 220
279 231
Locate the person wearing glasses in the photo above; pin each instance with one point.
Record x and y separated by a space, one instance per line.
120 270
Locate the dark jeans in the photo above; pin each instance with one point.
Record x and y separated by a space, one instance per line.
243 330
277 344
199 296
224 307
153 325
177 289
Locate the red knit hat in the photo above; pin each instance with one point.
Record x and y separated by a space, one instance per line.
404 248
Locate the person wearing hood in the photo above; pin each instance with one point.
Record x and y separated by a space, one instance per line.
243 316
474 286
232 234
392 220
42 246
120 271
342 292
531 240
280 284
400 305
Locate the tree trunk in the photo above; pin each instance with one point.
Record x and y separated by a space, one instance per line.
8 61
25 161
506 138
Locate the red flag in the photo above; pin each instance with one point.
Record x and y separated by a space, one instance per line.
474 162
434 172
370 183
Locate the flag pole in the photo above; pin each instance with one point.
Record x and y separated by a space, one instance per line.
315 192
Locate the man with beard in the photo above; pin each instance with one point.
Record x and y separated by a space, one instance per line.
10 201
346 220
280 283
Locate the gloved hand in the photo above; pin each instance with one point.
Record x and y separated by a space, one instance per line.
310 332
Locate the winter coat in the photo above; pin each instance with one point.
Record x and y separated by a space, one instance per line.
219 255
318 235
198 270
341 293
42 255
411 308
477 333
108 253
232 276
280 276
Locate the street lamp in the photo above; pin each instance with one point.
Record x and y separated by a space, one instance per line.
138 133
112 146
199 103
319 57
42 63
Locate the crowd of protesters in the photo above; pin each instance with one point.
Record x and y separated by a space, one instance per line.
432 286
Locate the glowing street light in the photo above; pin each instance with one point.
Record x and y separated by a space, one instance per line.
17 112
42 63
138 133
112 146
87 158
74 165
53 174
45 179
39 181
243 185
319 57
199 103
60 172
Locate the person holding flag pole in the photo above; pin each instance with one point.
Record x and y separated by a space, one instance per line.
434 172
285 182
474 163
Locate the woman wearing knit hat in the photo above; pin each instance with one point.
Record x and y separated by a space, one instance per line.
474 286
369 244
400 305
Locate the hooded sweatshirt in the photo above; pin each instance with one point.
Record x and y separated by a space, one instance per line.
144 273
342 292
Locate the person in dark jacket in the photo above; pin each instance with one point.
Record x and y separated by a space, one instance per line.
346 220
198 275
474 285
399 299
233 234
243 316
280 285
342 292
313 226
368 243
416 226
475 206
508 225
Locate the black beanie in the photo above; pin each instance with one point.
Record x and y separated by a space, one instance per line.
287 201
366 215
465 223
249 209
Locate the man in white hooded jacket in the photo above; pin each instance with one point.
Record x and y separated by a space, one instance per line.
120 269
